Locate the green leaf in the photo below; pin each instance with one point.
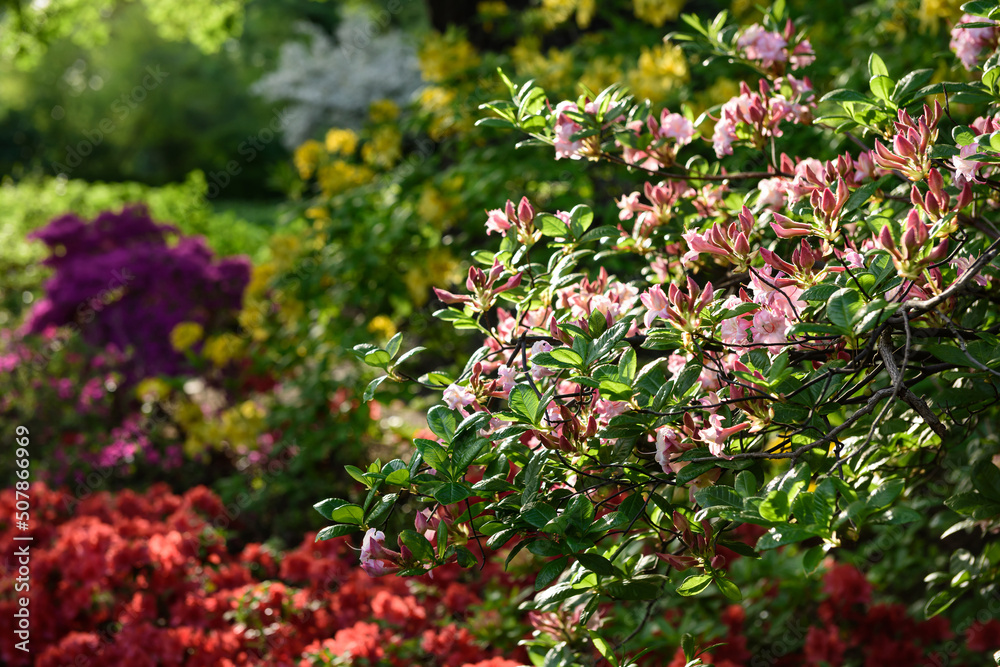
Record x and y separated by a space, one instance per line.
348 514
986 480
580 219
432 454
378 358
963 135
842 306
694 584
550 225
538 514
372 386
452 493
775 506
939 603
843 95
533 475
812 558
392 347
418 544
326 507
616 391
886 493
782 535
335 531
550 572
398 477
746 484
524 402
876 66
729 589
715 496
627 366
686 378
820 292
881 87
441 421
596 563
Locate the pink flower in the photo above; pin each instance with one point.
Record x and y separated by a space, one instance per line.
716 436
456 397
667 441
772 193
968 43
769 328
497 222
376 560
723 137
565 129
677 127
656 302
629 204
508 377
962 264
763 45
965 170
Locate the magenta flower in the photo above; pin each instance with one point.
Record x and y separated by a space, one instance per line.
496 221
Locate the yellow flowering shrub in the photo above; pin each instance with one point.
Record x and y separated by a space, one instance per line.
660 70
383 111
384 148
224 348
341 142
443 56
339 176
307 158
382 326
657 12
185 334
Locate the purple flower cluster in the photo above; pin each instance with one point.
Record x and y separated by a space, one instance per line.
120 281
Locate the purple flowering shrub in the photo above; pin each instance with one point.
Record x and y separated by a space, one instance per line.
120 282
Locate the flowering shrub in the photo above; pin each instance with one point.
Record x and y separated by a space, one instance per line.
147 579
640 379
118 281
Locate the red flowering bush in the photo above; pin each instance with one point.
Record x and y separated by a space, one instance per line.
146 579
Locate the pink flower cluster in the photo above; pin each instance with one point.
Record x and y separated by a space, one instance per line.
757 116
771 48
969 44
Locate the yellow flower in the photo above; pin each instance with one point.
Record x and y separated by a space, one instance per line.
260 278
437 102
660 70
382 111
444 56
307 157
932 11
602 71
382 325
222 349
317 213
437 271
340 176
341 142
657 12
152 389
492 9
185 334
433 207
384 149
284 250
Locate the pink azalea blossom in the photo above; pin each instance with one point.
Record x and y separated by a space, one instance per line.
965 170
969 43
508 377
376 560
769 328
497 221
772 193
962 264
655 300
456 396
565 129
763 45
715 435
677 127
667 442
